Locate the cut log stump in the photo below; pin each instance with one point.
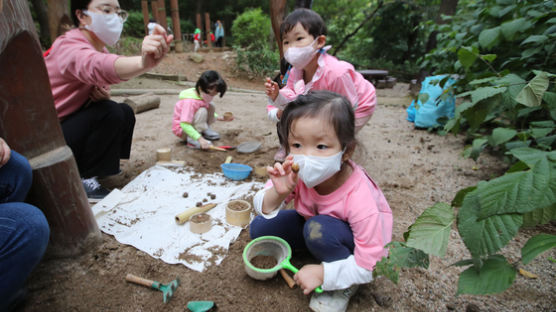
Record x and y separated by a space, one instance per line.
143 102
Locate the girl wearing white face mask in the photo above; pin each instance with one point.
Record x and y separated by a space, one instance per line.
195 112
303 36
340 216
81 70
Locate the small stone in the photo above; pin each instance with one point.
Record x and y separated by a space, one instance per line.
185 195
204 200
212 196
450 306
198 204
472 308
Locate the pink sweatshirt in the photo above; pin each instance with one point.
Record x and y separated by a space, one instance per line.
359 202
185 109
75 68
332 75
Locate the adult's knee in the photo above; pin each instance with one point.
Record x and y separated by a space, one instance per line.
256 227
36 230
17 176
118 115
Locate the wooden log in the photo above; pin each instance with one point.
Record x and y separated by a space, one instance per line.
143 102
29 124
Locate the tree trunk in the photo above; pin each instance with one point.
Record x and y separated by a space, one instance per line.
42 17
277 12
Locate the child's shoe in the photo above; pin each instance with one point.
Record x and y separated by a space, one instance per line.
280 155
332 301
211 135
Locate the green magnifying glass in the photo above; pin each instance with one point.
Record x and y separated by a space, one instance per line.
271 246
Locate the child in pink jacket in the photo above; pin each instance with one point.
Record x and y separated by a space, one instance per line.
303 36
341 216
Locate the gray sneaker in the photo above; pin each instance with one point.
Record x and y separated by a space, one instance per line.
332 301
211 135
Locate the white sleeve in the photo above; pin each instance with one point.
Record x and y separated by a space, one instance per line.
281 101
273 115
343 273
258 205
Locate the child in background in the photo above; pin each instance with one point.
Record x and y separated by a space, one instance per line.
195 112
303 36
196 40
341 216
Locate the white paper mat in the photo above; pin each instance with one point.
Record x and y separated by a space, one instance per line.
143 214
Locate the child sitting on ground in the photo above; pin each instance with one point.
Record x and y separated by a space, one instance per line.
341 216
303 36
195 112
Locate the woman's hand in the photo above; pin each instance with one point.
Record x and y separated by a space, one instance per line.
271 89
99 94
155 46
5 152
282 176
309 277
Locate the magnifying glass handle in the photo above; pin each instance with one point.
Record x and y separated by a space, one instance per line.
289 266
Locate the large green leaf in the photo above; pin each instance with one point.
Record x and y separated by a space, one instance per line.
476 148
509 29
496 275
535 39
532 93
537 245
400 256
489 37
485 237
460 195
513 82
539 216
431 231
480 94
519 192
467 56
502 135
532 156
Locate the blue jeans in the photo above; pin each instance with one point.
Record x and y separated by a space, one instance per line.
24 231
327 238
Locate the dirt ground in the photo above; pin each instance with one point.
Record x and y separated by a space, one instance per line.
413 167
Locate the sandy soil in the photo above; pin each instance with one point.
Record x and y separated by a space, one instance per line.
414 168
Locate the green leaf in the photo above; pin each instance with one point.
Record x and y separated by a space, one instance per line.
518 166
546 142
489 57
477 147
502 135
550 98
532 93
537 245
538 133
551 21
458 199
543 124
485 237
485 93
530 52
489 37
386 268
496 275
535 39
467 57
509 29
531 156
431 231
539 216
465 262
483 80
400 256
513 82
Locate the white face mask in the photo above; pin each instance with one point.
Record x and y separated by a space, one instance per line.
207 97
107 27
300 57
313 170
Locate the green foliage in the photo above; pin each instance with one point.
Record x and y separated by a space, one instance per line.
252 29
134 26
537 245
431 231
400 256
127 46
251 38
494 276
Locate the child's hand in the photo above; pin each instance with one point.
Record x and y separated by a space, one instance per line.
271 89
309 277
205 144
282 176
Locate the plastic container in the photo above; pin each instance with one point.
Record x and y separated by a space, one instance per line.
236 171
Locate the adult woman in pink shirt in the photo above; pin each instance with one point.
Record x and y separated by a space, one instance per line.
81 70
341 216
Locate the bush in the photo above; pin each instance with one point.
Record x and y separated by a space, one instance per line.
259 62
127 46
134 26
251 29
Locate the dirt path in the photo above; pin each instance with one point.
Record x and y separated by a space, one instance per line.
414 168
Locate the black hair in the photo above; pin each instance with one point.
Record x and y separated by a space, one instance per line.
210 79
152 20
333 107
309 19
78 5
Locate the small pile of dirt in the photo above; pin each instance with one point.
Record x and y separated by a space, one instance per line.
200 218
238 206
264 262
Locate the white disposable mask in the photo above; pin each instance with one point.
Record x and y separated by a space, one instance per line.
107 27
300 57
313 170
207 97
